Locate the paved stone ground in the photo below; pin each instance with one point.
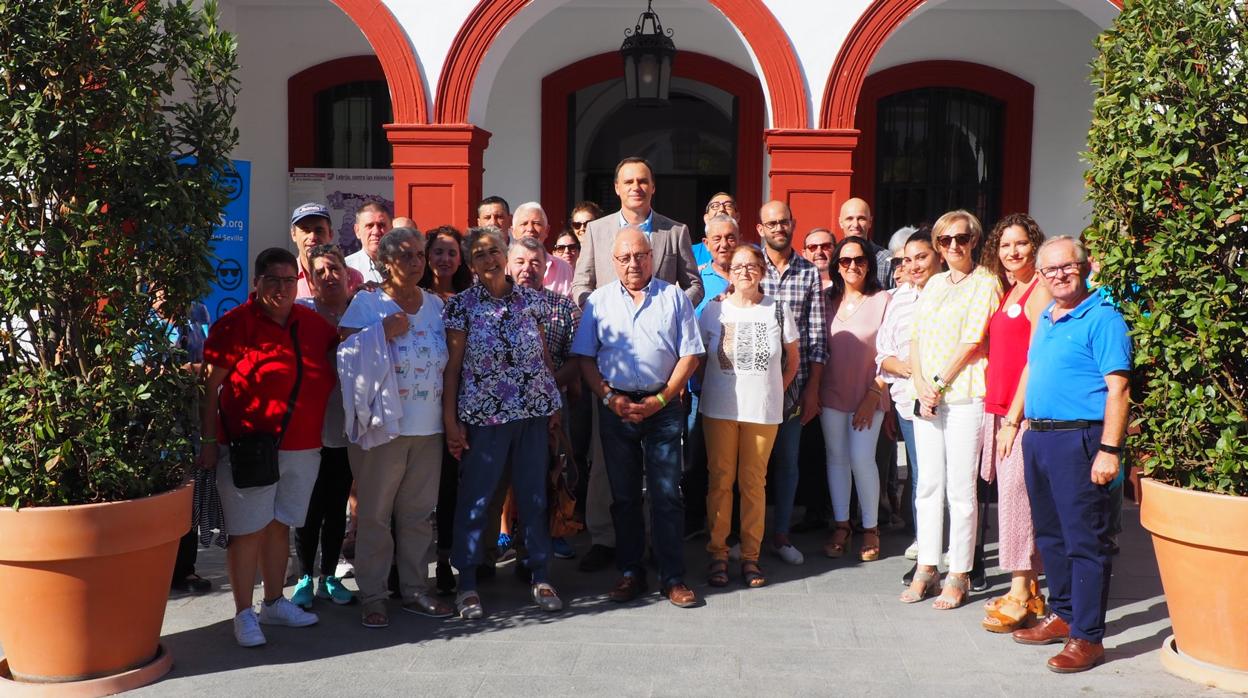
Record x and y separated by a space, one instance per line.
824 628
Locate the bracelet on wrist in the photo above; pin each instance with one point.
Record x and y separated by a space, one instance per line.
662 400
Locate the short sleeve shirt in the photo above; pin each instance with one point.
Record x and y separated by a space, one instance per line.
560 317
260 356
418 356
504 376
1069 359
744 381
951 314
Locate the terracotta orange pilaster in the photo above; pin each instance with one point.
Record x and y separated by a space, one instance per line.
437 172
812 171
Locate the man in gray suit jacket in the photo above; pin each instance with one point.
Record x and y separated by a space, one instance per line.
673 250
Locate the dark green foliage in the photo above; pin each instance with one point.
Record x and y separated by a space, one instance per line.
97 215
1168 151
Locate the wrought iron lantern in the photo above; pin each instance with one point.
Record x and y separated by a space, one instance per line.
648 57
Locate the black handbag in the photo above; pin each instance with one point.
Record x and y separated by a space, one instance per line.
253 457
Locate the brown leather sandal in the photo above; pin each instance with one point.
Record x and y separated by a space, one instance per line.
870 545
717 573
1011 613
752 574
838 542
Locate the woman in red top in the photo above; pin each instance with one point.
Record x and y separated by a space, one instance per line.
1010 251
250 354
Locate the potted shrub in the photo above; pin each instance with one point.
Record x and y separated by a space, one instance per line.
118 119
1168 150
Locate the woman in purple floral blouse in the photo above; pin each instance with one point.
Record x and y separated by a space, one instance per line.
498 402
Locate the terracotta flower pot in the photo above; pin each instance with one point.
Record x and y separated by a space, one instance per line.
84 587
1201 541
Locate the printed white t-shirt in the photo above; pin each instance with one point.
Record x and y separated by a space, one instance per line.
418 356
744 381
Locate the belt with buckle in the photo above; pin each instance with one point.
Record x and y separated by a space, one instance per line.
1061 424
634 395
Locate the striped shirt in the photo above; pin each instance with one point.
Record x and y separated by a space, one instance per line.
800 289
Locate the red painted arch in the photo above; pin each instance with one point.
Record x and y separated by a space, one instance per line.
559 85
761 30
877 23
398 60
1017 94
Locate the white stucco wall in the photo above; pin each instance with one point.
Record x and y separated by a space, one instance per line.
274 43
1051 49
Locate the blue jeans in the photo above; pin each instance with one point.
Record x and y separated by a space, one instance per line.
650 449
524 443
906 427
696 478
1071 515
784 472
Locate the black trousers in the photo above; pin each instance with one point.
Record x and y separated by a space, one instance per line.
326 523
188 552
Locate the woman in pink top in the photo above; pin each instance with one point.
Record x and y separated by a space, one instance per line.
851 393
1010 251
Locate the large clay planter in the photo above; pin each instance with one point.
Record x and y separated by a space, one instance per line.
1201 542
83 588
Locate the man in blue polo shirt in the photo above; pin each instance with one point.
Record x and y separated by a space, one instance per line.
1076 404
642 343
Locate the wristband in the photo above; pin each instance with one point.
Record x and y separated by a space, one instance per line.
1005 422
662 400
1111 450
207 439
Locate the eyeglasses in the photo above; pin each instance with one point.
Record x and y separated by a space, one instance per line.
846 262
1067 269
637 257
946 241
721 206
820 246
776 225
570 247
579 224
279 280
746 269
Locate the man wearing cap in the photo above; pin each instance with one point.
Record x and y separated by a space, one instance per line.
1075 396
310 226
372 222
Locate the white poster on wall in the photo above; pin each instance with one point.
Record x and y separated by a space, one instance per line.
344 192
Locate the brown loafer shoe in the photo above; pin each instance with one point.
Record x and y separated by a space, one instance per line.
1078 655
627 589
1050 629
681 595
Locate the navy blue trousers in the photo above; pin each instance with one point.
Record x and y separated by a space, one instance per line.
1071 515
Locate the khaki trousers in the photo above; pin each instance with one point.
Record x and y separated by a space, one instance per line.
737 452
397 480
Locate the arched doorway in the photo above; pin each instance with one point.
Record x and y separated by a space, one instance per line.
709 140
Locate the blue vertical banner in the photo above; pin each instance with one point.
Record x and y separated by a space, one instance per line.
229 245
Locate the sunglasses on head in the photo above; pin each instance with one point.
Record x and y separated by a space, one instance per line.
963 239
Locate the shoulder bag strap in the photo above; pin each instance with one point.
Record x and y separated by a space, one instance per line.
294 391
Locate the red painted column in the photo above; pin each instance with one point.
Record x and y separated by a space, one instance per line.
812 171
437 172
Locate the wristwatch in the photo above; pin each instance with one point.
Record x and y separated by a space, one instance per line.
606 399
1111 450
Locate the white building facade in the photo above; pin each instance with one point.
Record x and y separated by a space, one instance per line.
918 107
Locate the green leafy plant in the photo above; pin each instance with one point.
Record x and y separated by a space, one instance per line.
118 122
1168 150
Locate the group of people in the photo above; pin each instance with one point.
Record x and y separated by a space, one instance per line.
429 377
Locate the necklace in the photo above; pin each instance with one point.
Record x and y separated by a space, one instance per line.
955 283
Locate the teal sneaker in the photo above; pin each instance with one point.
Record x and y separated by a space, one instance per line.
303 593
332 588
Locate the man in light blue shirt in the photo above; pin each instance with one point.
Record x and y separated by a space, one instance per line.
640 340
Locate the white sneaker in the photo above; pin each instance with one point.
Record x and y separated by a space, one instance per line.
789 554
912 553
283 612
734 553
247 629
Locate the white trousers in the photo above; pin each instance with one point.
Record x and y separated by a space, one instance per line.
851 463
948 451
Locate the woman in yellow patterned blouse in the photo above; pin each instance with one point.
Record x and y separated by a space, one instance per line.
948 363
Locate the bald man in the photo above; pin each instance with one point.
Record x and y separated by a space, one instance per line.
855 219
640 343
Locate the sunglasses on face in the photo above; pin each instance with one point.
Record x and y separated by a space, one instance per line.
579 224
946 241
570 247
819 246
846 262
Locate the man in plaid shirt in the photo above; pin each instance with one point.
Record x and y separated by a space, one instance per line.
795 282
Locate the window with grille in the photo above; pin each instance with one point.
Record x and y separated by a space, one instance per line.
349 119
